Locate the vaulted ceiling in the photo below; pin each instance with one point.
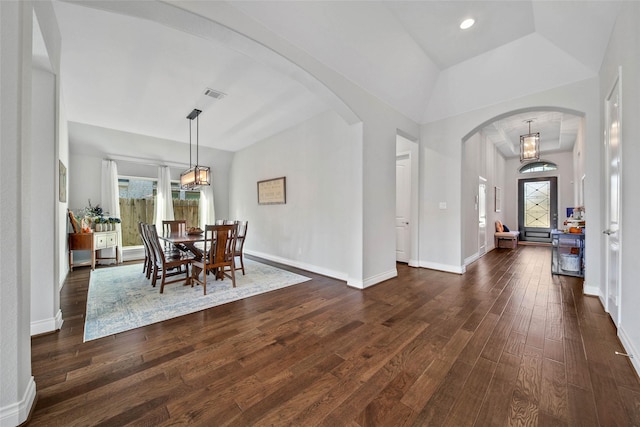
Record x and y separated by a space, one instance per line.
144 74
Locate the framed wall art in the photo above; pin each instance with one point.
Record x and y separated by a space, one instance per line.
498 199
272 191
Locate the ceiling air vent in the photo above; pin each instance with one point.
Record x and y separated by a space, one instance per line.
216 94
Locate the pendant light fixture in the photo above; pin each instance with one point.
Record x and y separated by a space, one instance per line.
529 145
195 176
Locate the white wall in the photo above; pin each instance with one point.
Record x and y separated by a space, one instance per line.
17 386
623 51
481 159
441 172
45 306
314 229
470 174
61 237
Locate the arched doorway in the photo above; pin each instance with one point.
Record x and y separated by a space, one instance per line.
492 150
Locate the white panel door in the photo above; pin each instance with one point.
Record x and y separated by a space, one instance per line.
613 160
403 207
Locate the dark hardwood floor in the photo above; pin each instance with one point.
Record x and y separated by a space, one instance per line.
506 343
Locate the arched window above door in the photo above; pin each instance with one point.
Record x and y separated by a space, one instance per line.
540 166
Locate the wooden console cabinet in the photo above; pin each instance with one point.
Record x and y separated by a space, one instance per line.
92 242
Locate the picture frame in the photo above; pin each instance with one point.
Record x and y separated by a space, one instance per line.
498 199
272 191
62 182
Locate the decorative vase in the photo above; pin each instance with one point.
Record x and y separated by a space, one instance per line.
98 227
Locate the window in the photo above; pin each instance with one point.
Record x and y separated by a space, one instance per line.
537 204
137 198
538 167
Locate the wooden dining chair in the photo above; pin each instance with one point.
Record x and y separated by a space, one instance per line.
167 265
239 247
219 243
148 257
171 227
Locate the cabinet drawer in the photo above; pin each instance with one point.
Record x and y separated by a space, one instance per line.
105 240
101 242
112 240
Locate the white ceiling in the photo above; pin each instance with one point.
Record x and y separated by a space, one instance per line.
558 131
136 75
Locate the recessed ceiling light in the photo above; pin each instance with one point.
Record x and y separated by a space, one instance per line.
467 23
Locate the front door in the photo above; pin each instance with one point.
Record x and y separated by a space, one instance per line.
612 167
403 207
537 208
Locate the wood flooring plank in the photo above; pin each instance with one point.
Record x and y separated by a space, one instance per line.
535 334
477 343
553 324
608 402
436 409
581 406
467 405
498 339
515 343
553 392
434 374
495 407
289 390
554 350
631 403
576 362
526 395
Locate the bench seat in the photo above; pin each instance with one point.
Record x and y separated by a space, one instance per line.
511 236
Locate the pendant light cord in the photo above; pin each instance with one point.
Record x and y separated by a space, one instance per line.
189 144
198 140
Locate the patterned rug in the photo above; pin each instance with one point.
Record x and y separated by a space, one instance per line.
121 298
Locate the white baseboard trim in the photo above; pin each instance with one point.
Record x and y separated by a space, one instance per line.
16 413
131 253
301 265
47 325
630 349
444 267
592 291
471 259
374 280
414 263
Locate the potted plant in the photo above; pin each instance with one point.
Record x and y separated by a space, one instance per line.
113 223
100 223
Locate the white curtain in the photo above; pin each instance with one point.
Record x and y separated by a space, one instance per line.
110 197
164 201
207 212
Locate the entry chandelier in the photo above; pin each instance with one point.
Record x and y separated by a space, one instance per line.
196 176
529 145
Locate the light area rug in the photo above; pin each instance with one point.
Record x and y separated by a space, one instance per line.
122 298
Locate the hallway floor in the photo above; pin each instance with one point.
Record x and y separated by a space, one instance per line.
507 343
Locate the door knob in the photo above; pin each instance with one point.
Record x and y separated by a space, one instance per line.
608 232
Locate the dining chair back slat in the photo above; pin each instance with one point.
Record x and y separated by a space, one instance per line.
167 264
219 243
239 246
174 226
